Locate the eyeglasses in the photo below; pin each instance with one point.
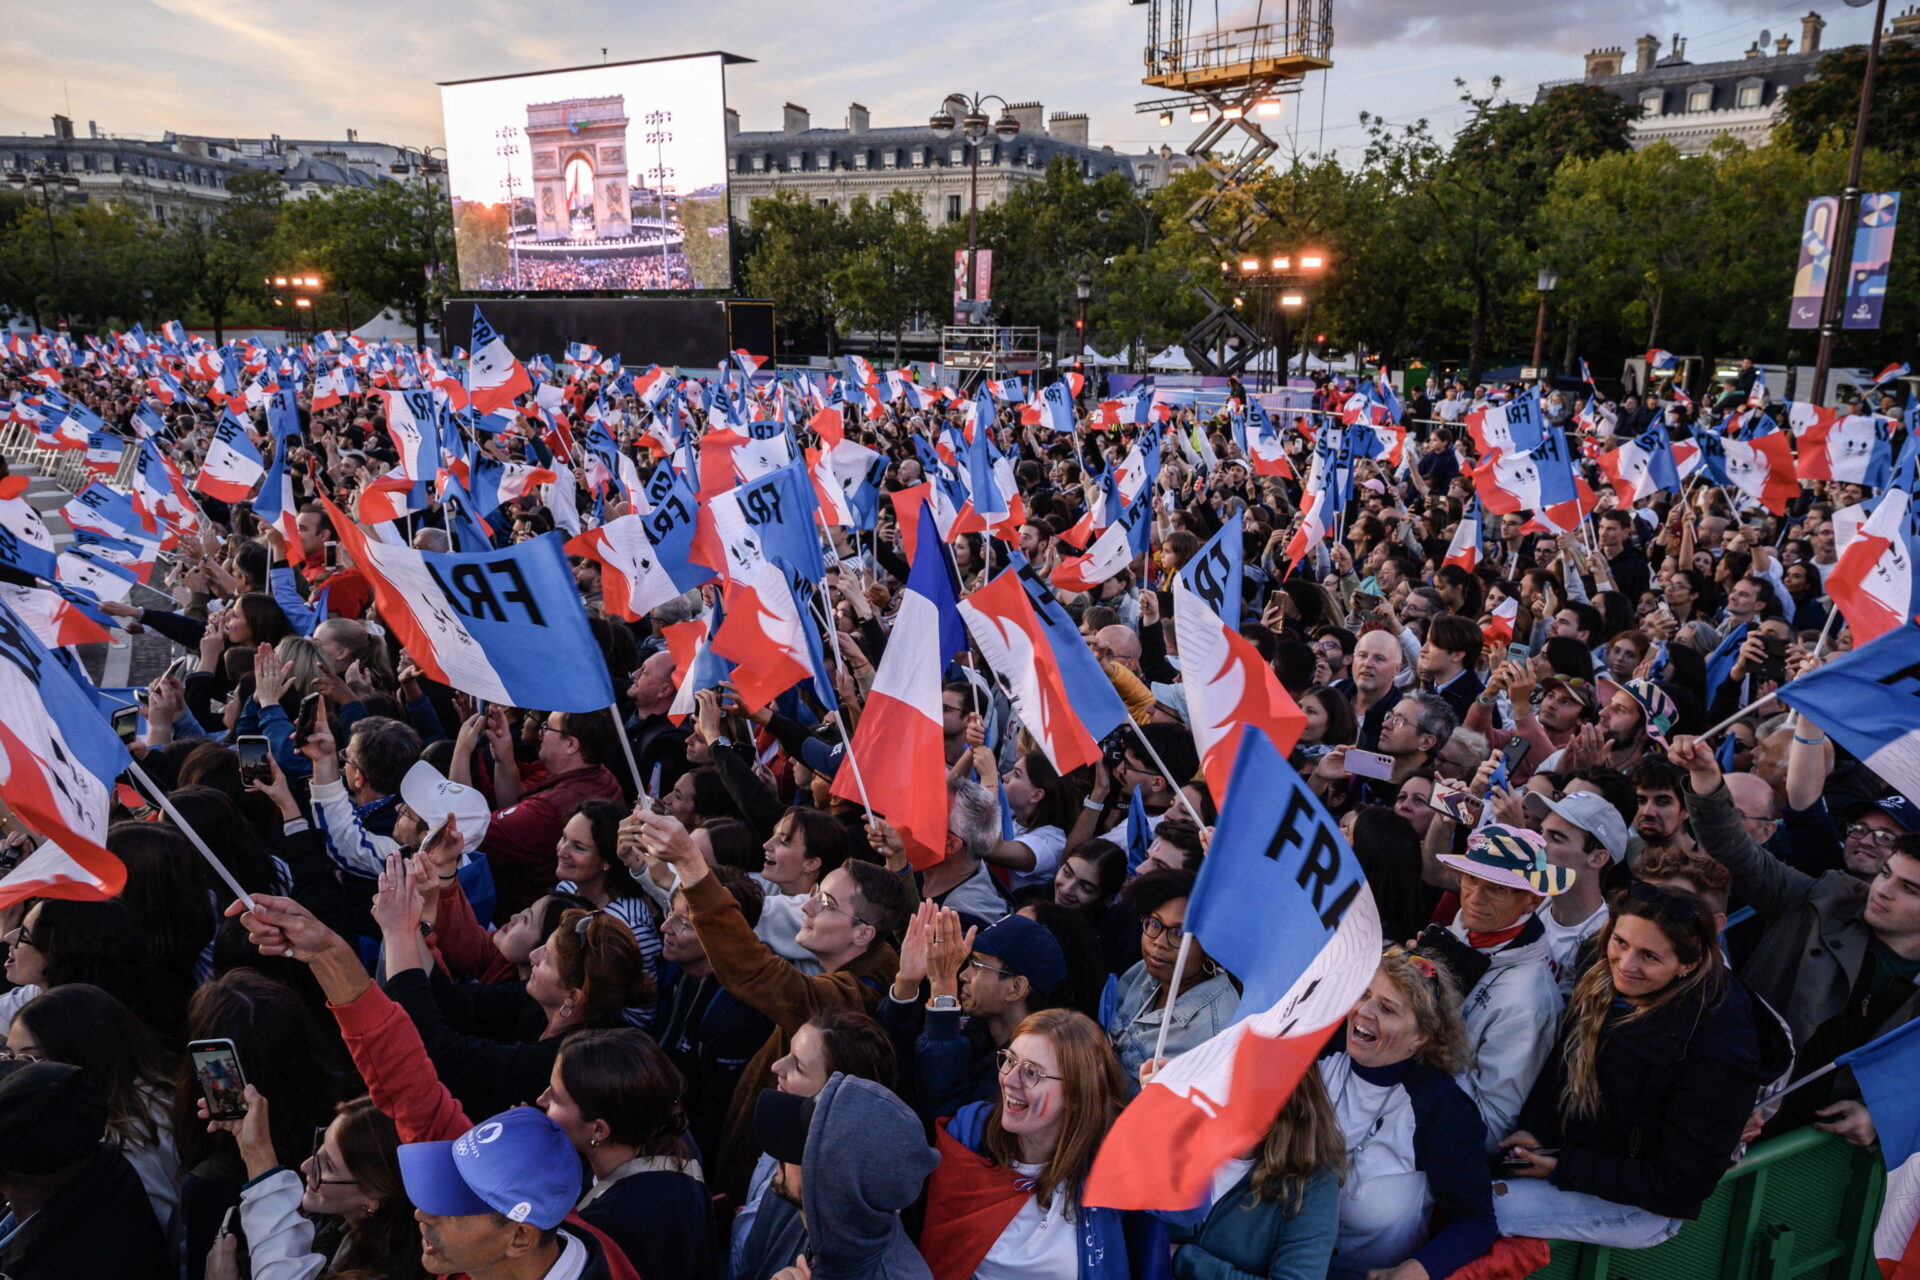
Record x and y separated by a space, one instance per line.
676 923
315 1171
1393 718
1154 927
1758 821
975 962
19 937
1877 835
823 901
1672 905
1030 1075
549 728
20 1055
580 926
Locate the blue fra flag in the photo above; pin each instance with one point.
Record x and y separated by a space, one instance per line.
504 624
1217 574
1277 880
1885 1070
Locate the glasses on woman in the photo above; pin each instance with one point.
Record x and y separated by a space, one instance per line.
318 1167
1029 1074
1154 927
19 937
20 1055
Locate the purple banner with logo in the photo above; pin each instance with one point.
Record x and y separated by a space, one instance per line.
1872 254
1816 256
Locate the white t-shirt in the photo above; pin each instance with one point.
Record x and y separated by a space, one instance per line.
1039 1244
1563 943
1047 844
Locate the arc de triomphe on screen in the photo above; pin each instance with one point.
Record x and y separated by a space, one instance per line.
593 130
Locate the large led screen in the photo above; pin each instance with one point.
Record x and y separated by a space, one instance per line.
609 177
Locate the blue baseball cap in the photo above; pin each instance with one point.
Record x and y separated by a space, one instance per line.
517 1164
1029 949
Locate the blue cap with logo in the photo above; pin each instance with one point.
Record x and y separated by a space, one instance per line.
1028 948
517 1164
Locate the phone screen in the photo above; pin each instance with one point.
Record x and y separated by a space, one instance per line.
253 758
126 723
217 1067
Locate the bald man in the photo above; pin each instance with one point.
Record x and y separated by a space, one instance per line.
1377 659
1119 644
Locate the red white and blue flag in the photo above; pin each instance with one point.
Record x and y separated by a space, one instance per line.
1868 700
1898 369
494 377
1661 359
232 465
1282 904
1015 646
1763 469
1231 689
1873 580
58 762
1468 538
899 745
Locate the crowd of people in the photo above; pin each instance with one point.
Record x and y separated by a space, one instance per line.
644 268
506 1005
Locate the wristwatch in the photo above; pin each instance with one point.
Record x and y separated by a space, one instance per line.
944 1004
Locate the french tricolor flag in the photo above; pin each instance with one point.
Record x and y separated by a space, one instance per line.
1280 903
494 377
1763 469
899 744
1231 689
58 762
277 507
633 582
232 465
1499 626
1873 581
1468 538
1011 639
1898 369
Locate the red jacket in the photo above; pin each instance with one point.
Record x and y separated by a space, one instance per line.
388 1054
521 839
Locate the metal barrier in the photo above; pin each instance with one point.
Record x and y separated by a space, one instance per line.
1799 1207
65 467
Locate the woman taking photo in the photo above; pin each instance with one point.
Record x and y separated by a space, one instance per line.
1279 1215
1021 1162
1637 1113
1207 998
1415 1144
351 1183
616 1096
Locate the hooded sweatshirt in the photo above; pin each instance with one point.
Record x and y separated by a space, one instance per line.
866 1161
1512 1014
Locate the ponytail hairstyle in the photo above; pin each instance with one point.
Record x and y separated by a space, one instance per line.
1686 921
597 955
625 1079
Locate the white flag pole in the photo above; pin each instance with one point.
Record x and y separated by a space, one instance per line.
1739 715
173 814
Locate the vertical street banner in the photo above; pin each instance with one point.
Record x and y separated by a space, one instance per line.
1816 258
1872 255
982 282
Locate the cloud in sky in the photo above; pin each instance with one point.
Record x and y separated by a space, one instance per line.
141 67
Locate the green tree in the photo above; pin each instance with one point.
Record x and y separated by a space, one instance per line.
1829 102
222 262
705 220
890 272
789 252
372 245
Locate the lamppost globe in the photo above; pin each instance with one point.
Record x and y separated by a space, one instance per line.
975 123
1007 126
941 123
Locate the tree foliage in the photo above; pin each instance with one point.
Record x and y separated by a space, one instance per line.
1828 103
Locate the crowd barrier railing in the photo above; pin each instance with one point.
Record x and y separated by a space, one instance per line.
1800 1207
65 467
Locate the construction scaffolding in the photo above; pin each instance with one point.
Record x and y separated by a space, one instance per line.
1231 78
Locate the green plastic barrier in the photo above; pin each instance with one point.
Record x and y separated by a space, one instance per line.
1799 1207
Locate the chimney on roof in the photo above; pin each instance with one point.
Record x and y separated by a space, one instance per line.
1605 62
1031 115
93 128
796 120
1782 46
733 122
858 121
63 128
1646 52
1068 126
1810 28
1754 50
1907 25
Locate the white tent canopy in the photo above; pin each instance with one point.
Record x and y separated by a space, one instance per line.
1172 359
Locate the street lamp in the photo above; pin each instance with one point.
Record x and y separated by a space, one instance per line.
660 176
46 179
507 150
1840 257
1548 279
973 126
1083 289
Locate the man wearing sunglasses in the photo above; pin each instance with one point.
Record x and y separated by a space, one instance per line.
1838 956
